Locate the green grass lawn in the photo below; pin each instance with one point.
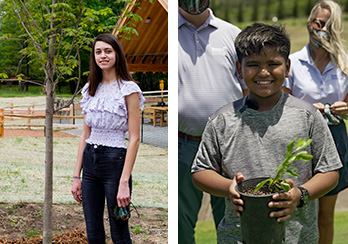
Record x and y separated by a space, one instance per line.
206 234
33 91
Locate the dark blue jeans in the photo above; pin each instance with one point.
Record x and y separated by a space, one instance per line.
102 169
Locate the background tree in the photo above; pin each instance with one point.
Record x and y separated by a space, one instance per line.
255 13
213 4
240 15
281 14
14 38
149 81
227 9
268 10
295 9
308 7
10 45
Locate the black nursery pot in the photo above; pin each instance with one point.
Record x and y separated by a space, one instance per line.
257 226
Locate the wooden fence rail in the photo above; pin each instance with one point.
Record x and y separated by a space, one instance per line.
33 111
30 113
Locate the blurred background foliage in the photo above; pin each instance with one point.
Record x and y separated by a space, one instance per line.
17 54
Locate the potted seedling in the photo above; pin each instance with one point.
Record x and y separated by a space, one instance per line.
257 226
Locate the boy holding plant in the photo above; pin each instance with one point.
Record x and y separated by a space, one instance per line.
248 138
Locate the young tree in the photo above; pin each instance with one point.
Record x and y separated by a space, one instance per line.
227 9
255 13
267 11
56 32
295 9
240 17
308 7
281 10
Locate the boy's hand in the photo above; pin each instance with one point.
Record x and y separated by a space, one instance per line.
236 201
286 201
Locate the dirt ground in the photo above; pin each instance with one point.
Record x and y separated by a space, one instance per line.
22 223
35 133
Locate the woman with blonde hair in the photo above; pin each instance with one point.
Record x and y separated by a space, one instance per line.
319 75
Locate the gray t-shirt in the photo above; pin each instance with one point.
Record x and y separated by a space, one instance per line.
245 140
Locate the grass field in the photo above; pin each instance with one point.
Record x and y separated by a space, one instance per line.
33 90
22 171
297 30
206 234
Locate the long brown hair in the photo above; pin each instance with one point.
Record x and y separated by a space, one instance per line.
95 73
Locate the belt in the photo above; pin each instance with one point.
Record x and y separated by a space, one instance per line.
191 138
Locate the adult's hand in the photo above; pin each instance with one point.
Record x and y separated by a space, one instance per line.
319 106
340 108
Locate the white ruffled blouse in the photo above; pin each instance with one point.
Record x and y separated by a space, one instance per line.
106 112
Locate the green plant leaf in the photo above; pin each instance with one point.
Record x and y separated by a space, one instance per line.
285 186
294 153
291 145
302 143
292 158
261 184
291 172
303 156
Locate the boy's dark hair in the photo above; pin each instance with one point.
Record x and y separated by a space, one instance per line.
255 37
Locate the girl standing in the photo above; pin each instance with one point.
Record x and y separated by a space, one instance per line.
111 103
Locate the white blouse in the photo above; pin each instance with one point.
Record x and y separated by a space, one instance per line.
106 112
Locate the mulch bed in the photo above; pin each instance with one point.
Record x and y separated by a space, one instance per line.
73 237
22 223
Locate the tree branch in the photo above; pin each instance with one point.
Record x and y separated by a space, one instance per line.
77 91
72 44
32 18
37 45
43 17
26 81
59 45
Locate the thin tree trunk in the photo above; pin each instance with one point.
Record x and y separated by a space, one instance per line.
47 226
47 232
